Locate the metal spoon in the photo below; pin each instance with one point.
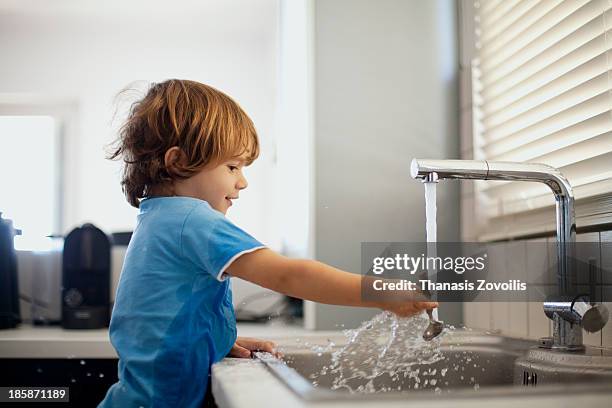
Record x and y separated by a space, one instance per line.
434 329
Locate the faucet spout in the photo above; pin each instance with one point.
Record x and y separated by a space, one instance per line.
567 335
487 170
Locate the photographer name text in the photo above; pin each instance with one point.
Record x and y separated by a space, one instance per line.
426 284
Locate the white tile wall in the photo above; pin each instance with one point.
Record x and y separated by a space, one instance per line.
506 316
500 311
516 268
477 315
537 266
584 253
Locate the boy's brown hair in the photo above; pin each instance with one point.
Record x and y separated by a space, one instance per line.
206 124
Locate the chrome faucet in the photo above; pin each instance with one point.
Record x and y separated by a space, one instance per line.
569 312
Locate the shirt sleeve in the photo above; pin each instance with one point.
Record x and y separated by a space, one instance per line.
212 242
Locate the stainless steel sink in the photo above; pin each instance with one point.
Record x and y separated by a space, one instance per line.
472 365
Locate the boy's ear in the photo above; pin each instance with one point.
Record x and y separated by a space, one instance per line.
175 161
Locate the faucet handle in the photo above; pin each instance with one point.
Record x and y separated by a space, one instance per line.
593 317
578 310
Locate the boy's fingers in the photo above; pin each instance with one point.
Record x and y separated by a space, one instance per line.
268 346
258 345
411 308
427 305
239 351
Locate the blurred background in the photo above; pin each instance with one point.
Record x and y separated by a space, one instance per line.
343 96
344 93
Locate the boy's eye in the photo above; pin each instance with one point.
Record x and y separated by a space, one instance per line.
232 168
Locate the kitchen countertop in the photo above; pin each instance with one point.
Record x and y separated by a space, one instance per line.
27 341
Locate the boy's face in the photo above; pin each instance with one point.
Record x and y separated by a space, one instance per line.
218 185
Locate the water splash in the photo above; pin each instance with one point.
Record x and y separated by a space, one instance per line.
384 346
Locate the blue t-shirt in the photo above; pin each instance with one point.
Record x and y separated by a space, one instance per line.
173 315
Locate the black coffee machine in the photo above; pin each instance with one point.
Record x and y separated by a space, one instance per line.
9 287
86 274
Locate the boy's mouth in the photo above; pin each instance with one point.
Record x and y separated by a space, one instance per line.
229 200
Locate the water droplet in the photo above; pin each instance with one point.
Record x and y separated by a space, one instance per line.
82 362
101 375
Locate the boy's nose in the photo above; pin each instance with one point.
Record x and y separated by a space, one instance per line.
242 183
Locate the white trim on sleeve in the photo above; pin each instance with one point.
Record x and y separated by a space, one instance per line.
221 276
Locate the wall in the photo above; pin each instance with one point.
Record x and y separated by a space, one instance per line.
385 91
295 128
84 52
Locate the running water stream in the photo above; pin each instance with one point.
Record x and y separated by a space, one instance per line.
430 212
431 231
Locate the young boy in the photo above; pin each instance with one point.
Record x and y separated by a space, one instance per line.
184 146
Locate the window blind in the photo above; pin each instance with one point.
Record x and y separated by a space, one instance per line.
542 93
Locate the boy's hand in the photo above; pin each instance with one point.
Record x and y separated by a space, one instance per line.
245 345
406 309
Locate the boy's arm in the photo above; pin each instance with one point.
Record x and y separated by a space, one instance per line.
312 280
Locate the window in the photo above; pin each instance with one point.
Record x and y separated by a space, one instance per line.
542 93
29 178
